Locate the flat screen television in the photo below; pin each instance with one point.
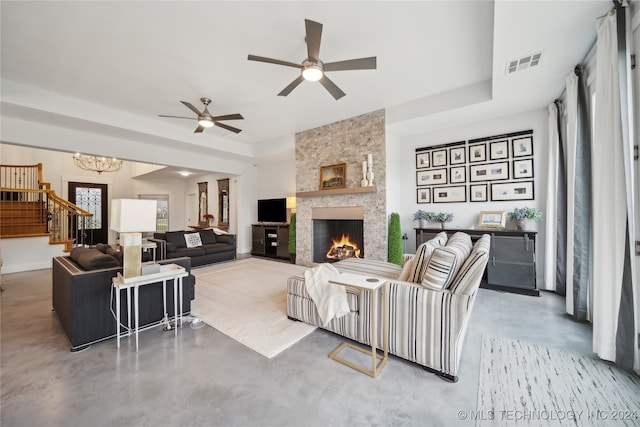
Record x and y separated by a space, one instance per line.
272 210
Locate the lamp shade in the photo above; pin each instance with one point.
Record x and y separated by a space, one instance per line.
133 215
291 202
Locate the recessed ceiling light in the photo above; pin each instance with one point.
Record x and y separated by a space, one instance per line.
184 173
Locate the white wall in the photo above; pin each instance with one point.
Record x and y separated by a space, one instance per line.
401 174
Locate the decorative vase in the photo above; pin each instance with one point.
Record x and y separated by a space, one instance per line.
370 176
210 222
364 183
524 224
442 226
422 223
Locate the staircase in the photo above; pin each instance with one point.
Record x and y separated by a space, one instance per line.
29 208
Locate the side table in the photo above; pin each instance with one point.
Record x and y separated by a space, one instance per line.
373 285
167 272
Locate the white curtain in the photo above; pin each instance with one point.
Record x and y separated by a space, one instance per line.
609 190
551 209
572 135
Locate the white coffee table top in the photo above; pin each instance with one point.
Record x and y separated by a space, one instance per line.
358 281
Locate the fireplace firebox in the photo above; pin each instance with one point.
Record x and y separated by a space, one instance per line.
336 239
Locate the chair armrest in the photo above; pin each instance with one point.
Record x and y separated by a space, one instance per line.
226 238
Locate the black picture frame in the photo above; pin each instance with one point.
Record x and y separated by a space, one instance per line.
523 168
457 155
431 177
478 192
449 194
497 171
499 150
439 158
423 160
477 153
521 147
423 195
517 190
458 175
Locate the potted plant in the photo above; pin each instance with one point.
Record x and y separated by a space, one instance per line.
292 238
442 218
525 217
394 254
422 218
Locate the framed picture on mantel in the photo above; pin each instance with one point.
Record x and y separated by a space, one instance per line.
334 176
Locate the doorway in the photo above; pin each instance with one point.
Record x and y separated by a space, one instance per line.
92 198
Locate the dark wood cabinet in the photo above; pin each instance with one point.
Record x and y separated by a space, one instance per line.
270 240
512 258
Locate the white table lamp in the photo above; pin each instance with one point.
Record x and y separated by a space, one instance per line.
131 217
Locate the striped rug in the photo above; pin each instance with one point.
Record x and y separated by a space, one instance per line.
530 385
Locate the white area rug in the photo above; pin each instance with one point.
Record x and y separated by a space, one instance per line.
247 300
524 384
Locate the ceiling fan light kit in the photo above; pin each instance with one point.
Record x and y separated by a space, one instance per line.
312 68
206 120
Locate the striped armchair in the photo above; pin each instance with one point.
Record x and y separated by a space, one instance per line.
426 326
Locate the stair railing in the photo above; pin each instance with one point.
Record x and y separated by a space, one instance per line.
29 207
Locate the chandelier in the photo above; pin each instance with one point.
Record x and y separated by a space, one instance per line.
97 164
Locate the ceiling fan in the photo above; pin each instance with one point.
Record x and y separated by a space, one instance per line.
206 120
313 69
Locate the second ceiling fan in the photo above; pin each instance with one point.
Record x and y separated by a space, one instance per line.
312 68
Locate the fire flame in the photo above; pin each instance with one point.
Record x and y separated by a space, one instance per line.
343 248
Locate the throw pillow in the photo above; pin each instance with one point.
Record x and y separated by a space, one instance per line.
192 240
446 261
207 236
471 271
406 268
420 260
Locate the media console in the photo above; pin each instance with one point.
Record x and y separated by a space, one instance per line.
512 258
270 240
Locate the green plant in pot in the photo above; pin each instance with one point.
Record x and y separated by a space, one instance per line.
525 217
394 253
292 238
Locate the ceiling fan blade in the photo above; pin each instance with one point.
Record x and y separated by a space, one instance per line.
199 129
287 90
191 107
352 64
176 117
228 117
227 127
331 87
314 36
273 61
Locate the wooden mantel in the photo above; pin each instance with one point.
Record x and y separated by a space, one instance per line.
337 191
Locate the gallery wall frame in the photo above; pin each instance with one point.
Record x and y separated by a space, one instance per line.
423 195
522 147
523 168
489 172
518 190
450 194
478 192
477 153
431 177
457 155
458 175
499 150
439 158
423 160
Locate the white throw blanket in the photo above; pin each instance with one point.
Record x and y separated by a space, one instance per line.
330 300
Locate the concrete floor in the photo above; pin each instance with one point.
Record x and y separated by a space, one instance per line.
204 378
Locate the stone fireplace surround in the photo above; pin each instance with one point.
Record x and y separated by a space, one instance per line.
330 223
348 141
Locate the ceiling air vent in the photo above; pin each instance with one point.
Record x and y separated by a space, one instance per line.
523 63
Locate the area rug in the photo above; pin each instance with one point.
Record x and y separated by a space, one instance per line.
527 384
247 300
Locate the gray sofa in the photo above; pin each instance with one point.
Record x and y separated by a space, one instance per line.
212 247
428 310
82 296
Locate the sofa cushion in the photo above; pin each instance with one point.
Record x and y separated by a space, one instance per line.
177 238
207 236
445 262
93 259
419 262
103 247
190 252
192 240
216 248
470 273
